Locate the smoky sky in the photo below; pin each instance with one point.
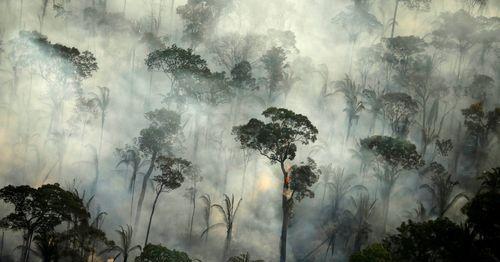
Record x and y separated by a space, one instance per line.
319 52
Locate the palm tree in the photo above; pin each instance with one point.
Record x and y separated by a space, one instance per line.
441 190
206 214
243 258
126 247
340 185
354 105
364 156
228 212
326 172
130 156
361 228
102 101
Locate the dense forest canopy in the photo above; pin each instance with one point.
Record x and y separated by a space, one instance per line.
249 130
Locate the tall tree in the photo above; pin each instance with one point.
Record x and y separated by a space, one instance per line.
354 105
172 176
399 109
207 213
130 156
159 137
394 156
37 211
102 102
193 176
274 61
277 140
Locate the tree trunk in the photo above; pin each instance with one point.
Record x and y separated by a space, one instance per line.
134 174
394 18
227 244
151 217
193 200
103 118
386 198
28 247
285 215
145 181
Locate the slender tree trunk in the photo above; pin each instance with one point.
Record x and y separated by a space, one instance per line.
44 11
394 18
103 118
151 217
145 181
134 174
386 198
285 215
227 244
1 245
193 200
21 15
28 247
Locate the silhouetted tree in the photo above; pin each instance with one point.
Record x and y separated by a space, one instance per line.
399 110
228 210
157 138
37 211
277 140
441 190
172 176
354 105
126 247
130 156
274 61
393 155
159 253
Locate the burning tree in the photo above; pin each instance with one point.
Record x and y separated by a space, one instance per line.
277 140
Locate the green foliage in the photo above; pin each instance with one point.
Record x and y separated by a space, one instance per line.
39 209
276 139
177 62
241 77
483 213
68 61
399 110
437 240
159 253
160 135
302 177
480 124
373 253
441 239
172 173
274 61
397 153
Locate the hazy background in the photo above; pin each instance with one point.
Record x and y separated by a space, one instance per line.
314 44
